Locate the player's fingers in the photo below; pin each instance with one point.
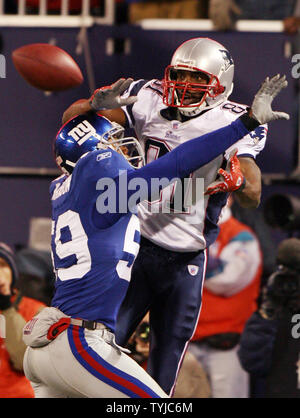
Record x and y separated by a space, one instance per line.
121 85
281 115
278 83
116 86
215 189
127 100
124 86
211 187
210 191
282 84
274 78
233 153
222 172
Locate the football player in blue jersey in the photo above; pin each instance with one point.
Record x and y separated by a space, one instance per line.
95 238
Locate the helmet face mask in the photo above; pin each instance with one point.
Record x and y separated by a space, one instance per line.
189 94
215 67
90 132
129 146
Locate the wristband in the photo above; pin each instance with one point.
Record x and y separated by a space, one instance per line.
92 107
242 186
249 122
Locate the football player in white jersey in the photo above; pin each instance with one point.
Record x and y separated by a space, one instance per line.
168 274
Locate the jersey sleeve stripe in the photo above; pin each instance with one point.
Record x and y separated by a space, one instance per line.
156 90
133 92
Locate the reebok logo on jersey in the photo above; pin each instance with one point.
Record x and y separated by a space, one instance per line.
170 134
103 156
193 270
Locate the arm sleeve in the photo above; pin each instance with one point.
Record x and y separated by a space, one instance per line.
178 163
133 90
190 156
251 144
241 260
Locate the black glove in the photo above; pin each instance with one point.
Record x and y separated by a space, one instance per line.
5 302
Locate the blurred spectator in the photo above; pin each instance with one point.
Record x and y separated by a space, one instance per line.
225 13
192 380
291 23
256 221
54 6
265 10
229 298
10 6
36 276
166 9
270 344
16 310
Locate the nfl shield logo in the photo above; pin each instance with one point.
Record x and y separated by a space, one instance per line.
193 270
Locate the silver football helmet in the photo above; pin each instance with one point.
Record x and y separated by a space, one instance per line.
214 64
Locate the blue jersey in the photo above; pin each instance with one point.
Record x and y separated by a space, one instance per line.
92 265
93 252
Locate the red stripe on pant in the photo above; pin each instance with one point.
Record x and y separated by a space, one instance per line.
102 370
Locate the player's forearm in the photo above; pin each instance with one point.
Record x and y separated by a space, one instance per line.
188 157
79 107
249 196
83 106
200 151
181 161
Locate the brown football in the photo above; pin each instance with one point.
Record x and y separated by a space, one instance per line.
47 67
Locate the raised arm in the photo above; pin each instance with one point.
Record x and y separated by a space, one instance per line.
106 101
193 154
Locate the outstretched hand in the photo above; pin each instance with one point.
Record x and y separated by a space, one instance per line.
261 109
109 97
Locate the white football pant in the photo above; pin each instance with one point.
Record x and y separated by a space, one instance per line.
84 363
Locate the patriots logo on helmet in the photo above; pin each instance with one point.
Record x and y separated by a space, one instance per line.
227 58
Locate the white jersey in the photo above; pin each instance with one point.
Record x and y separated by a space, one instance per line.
195 227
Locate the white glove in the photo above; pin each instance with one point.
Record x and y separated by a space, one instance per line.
109 97
223 13
261 107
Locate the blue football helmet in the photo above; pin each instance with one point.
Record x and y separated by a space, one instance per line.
89 132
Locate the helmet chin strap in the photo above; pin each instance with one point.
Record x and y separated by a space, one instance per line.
193 111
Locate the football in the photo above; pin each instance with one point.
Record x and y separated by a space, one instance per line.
47 67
